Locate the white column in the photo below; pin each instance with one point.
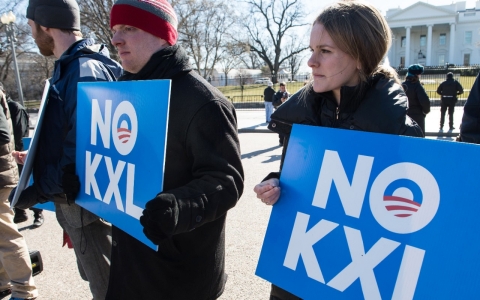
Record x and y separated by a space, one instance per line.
429 45
407 47
452 43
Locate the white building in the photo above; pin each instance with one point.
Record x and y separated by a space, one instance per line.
435 35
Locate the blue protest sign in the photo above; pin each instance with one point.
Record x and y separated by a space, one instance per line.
374 216
121 138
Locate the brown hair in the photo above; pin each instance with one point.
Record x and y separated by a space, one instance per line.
360 31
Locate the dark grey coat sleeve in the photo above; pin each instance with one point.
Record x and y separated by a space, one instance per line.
470 127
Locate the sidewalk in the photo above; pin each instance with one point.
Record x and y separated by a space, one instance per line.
253 120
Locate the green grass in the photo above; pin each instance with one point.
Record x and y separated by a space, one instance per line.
234 92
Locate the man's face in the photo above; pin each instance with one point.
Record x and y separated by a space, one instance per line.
135 46
282 88
44 42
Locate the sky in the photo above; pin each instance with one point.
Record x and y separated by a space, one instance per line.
382 5
315 6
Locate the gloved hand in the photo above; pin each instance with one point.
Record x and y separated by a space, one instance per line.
28 198
160 217
70 183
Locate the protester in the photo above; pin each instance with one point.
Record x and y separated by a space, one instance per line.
278 99
268 98
19 116
470 129
55 26
449 90
15 266
350 89
203 175
418 101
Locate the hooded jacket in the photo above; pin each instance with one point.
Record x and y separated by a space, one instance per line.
83 61
203 171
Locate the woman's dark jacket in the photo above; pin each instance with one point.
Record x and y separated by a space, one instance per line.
381 106
470 128
203 170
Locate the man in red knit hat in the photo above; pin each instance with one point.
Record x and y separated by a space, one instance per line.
203 176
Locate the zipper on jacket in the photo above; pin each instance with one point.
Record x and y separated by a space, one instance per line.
337 112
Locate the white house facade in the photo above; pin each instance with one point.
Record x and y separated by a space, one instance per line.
435 35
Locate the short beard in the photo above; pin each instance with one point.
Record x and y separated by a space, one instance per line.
44 42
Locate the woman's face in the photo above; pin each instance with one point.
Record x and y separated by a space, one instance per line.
331 67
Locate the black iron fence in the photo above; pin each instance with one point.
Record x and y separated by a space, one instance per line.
249 95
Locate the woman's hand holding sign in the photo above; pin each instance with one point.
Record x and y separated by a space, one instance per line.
268 191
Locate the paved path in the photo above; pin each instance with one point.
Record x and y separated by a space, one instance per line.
245 230
254 121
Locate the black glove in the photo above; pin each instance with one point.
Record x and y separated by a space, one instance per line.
160 217
70 183
28 198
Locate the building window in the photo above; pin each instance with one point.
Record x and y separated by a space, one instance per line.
443 39
404 41
468 37
423 40
441 59
402 61
466 59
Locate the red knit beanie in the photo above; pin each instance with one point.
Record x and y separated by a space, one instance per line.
156 17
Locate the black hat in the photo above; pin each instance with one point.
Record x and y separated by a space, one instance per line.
415 69
61 14
449 75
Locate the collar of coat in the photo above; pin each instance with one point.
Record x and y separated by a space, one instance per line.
166 63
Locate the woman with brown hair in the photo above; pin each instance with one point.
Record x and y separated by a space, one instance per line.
349 88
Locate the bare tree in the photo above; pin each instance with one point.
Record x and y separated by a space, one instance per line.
294 61
230 58
23 44
203 30
95 19
269 22
250 58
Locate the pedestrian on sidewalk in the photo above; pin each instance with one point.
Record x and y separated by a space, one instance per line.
268 98
15 265
278 99
351 89
55 26
203 173
20 130
449 91
418 101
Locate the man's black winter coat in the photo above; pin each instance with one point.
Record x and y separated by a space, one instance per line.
203 171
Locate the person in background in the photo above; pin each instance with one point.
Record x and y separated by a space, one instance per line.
418 101
350 89
55 26
268 98
278 99
20 122
15 265
449 90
